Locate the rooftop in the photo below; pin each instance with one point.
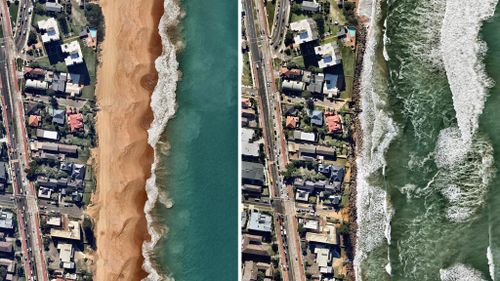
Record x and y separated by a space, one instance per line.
329 53
260 222
306 30
51 30
74 53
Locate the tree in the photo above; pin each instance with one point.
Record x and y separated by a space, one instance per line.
32 39
320 23
310 104
289 38
306 94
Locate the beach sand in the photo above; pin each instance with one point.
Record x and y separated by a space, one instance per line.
126 78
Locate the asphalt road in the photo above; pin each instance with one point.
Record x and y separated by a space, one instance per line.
280 23
25 199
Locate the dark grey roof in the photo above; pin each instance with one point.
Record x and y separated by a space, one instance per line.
252 171
58 116
59 82
3 172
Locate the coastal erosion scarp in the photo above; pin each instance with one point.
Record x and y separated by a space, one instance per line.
126 78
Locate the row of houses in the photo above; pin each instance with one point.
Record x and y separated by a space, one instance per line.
38 80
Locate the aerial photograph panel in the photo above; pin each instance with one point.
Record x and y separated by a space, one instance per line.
118 140
369 140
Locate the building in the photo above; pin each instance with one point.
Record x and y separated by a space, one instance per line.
316 84
71 233
58 116
46 134
260 223
252 173
74 53
6 221
323 259
348 36
306 31
253 248
310 6
3 172
36 85
317 118
33 73
66 254
329 54
50 28
58 82
73 89
291 122
34 120
53 7
311 225
328 237
302 195
292 74
75 122
292 86
303 136
78 171
250 149
333 123
332 86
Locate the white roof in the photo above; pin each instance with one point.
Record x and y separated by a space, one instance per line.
247 147
305 29
330 54
72 233
322 256
65 252
36 84
51 135
72 88
51 30
74 53
299 135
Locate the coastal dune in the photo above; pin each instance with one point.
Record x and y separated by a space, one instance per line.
126 79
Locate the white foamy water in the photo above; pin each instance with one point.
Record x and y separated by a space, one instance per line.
378 129
491 263
462 51
460 272
466 173
163 107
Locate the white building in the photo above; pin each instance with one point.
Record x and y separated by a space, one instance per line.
36 84
305 29
74 53
51 30
72 89
329 53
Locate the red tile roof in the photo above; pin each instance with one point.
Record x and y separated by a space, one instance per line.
333 122
34 120
75 122
291 122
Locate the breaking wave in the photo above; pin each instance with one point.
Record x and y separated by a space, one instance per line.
462 53
465 173
163 107
460 272
378 130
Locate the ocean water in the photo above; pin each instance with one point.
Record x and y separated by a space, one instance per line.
428 186
193 196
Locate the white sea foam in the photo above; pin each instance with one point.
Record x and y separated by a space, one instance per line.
378 130
163 107
465 173
462 51
460 272
386 41
491 263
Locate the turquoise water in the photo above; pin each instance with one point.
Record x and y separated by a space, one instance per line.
200 172
437 181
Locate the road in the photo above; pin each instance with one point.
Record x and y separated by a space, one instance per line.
12 110
269 108
23 24
281 18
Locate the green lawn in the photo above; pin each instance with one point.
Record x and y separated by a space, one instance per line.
270 6
349 63
90 57
336 13
13 9
246 79
296 17
44 62
299 61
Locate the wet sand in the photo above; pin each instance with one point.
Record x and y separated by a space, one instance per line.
126 78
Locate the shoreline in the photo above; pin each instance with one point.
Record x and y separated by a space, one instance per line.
124 157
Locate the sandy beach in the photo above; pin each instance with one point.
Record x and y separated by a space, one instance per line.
126 78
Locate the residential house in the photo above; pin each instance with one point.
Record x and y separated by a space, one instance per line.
6 221
36 85
291 74
317 118
58 82
305 29
34 120
332 85
260 223
303 136
310 6
329 54
75 122
50 30
250 148
58 116
316 84
292 86
291 122
254 248
74 53
53 7
3 172
333 123
252 173
46 134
